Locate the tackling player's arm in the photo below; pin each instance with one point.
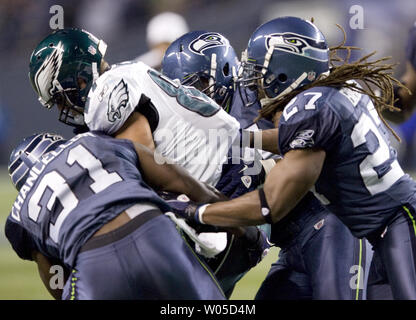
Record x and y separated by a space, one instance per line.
305 137
266 140
171 177
269 138
287 183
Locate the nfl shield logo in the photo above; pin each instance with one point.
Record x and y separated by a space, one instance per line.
246 180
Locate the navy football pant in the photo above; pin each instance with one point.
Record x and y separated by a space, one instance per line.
321 262
151 261
395 258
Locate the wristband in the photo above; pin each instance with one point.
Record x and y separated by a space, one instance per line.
265 209
199 213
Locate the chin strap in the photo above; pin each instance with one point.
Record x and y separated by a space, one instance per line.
102 47
212 73
95 74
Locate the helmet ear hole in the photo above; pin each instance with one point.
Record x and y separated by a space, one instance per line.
226 69
282 77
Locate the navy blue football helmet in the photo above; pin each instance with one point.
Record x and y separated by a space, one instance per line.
205 60
284 54
28 153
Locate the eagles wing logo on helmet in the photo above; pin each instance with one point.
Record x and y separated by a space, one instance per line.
118 99
206 41
47 75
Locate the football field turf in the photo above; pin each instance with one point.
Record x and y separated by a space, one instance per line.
19 279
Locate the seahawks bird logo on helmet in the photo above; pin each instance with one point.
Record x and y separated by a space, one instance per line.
283 54
204 60
206 41
295 43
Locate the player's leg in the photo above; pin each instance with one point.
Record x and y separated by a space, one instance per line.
283 282
150 261
335 260
378 287
397 250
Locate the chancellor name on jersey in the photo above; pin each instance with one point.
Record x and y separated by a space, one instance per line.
73 192
346 125
188 127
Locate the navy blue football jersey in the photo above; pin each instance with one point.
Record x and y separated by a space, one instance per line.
361 180
246 115
72 192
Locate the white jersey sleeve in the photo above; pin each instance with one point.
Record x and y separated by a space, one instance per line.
112 98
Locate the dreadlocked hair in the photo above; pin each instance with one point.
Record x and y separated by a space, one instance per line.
377 77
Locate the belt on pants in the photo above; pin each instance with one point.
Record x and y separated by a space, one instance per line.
133 218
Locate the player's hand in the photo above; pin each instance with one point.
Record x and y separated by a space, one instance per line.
186 209
180 204
235 181
216 195
257 244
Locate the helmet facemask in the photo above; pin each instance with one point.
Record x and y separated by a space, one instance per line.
250 78
276 77
70 113
206 61
207 82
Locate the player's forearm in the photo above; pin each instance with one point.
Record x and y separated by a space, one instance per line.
290 179
183 182
287 183
281 195
266 140
241 211
164 176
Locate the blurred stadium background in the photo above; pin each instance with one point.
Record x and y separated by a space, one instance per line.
122 24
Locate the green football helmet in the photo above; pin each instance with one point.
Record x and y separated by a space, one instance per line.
57 66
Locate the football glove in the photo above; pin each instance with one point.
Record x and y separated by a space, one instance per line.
187 209
257 244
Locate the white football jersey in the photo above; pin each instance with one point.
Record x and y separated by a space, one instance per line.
188 127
